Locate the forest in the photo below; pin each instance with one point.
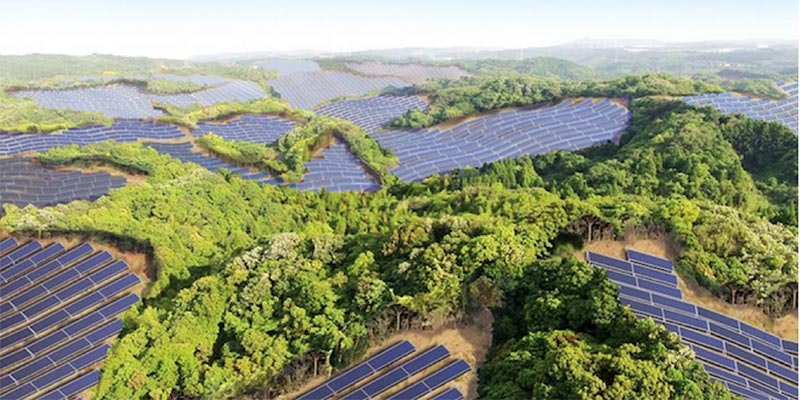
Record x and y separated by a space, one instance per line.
258 289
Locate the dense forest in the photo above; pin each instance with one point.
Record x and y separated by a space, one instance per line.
259 288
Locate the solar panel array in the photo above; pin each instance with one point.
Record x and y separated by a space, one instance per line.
183 152
121 131
449 394
115 101
373 113
749 361
59 307
285 67
782 111
308 89
566 126
261 129
23 182
232 90
411 73
357 383
127 101
337 170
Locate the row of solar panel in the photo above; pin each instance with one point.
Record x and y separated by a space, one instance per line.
58 308
373 113
411 73
660 295
337 169
502 135
262 129
23 182
784 111
757 367
308 89
122 131
351 378
399 374
740 362
125 101
183 152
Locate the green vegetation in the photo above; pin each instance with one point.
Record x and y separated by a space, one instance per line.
60 72
169 86
454 99
539 66
689 161
287 155
22 115
259 289
189 116
564 337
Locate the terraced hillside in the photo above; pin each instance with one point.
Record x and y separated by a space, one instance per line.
568 125
749 361
782 111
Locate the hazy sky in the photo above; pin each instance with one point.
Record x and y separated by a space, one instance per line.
184 28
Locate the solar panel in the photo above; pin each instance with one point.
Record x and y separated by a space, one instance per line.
7 244
500 135
391 378
647 259
433 381
75 386
449 394
19 253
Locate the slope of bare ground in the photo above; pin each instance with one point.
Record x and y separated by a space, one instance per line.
785 327
468 342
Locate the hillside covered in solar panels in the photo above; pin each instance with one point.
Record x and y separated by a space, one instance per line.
340 228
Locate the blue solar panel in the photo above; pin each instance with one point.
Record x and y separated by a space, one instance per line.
730 335
7 244
634 293
648 259
433 381
714 357
319 393
446 374
361 371
19 253
705 340
783 111
391 378
715 316
757 375
612 262
686 320
659 288
663 277
391 354
723 374
449 394
75 386
425 359
744 354
669 302
790 346
773 353
746 393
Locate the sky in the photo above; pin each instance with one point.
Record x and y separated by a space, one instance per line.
184 28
